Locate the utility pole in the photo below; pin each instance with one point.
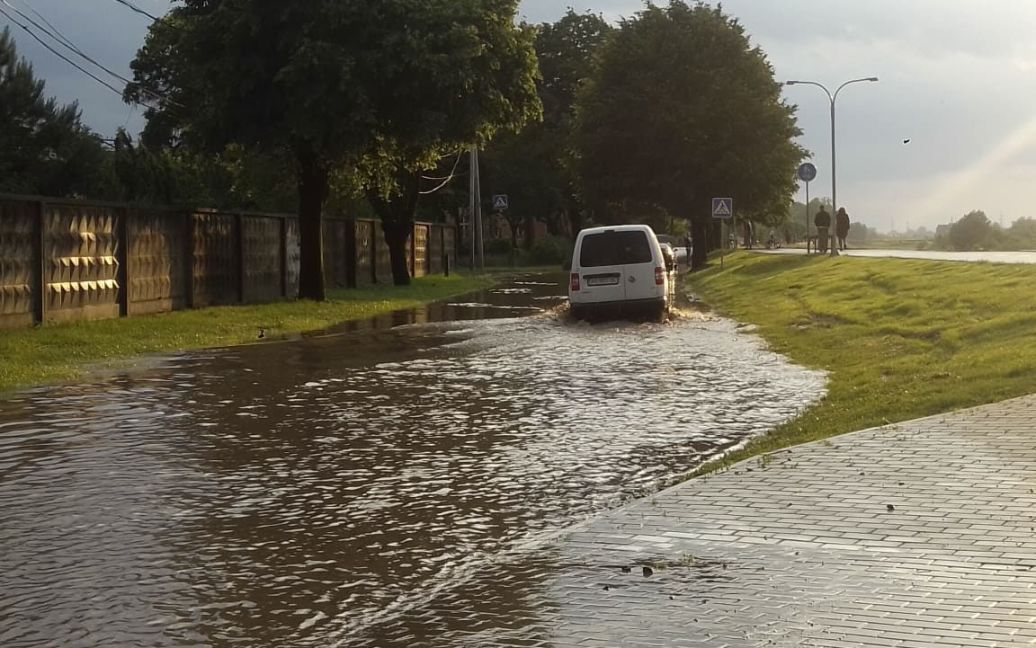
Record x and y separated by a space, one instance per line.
476 197
471 206
478 258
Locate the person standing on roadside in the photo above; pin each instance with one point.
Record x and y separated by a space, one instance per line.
842 227
823 222
687 245
749 233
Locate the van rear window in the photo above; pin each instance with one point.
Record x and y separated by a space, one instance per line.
614 248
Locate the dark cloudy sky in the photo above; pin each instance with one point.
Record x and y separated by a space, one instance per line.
958 78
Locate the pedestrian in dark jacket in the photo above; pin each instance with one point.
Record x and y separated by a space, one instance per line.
842 227
823 222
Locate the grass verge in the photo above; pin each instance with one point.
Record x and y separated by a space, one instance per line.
65 352
900 339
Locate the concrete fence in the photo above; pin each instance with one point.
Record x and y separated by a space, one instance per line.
63 260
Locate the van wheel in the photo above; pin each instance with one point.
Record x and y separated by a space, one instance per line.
578 312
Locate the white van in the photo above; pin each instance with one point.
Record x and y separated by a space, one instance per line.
619 268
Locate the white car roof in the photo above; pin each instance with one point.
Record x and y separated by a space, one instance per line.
618 228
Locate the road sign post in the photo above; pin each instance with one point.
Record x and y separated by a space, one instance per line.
807 173
723 211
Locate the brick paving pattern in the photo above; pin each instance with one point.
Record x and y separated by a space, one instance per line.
916 535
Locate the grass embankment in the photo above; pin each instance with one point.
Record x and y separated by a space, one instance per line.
64 352
900 339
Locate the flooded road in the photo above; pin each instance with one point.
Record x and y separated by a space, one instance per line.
301 492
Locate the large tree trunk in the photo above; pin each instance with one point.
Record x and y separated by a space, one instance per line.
515 225
530 232
397 220
313 186
397 232
575 219
554 226
700 243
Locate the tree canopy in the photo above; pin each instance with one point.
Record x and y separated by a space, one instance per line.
683 108
971 231
383 89
534 167
44 147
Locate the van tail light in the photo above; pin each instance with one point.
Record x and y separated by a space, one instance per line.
659 276
575 282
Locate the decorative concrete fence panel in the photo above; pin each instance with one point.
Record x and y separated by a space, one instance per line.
365 242
336 253
157 262
19 264
217 265
435 249
382 261
66 259
81 267
419 252
294 256
262 258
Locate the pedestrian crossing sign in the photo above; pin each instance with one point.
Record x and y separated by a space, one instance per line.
723 208
500 202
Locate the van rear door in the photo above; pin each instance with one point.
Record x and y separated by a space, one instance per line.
639 263
603 277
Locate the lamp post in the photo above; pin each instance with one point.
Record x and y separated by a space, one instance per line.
834 163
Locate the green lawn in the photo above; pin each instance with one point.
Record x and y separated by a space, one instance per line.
900 339
64 352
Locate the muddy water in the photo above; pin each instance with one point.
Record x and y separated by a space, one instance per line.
299 492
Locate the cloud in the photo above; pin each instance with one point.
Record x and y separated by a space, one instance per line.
104 29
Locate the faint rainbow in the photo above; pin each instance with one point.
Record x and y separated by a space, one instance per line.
946 202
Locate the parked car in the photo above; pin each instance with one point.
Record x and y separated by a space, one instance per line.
619 270
669 255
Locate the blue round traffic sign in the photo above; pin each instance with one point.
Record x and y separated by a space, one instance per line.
807 172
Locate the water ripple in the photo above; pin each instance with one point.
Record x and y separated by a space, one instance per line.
288 494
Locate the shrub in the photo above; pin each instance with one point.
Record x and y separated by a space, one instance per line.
551 250
498 247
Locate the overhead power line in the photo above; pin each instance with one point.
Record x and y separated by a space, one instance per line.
59 37
39 40
62 39
445 180
134 8
47 22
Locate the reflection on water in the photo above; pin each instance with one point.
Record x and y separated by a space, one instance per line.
293 493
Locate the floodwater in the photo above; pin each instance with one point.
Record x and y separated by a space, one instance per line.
301 492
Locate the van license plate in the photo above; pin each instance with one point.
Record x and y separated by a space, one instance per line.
612 280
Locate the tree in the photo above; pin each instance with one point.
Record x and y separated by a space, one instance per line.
682 109
971 231
1023 233
859 233
534 166
797 217
232 179
522 168
385 87
460 72
44 147
281 78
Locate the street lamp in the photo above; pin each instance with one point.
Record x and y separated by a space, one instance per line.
834 163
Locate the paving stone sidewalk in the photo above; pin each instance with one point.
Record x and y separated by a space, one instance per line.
920 534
